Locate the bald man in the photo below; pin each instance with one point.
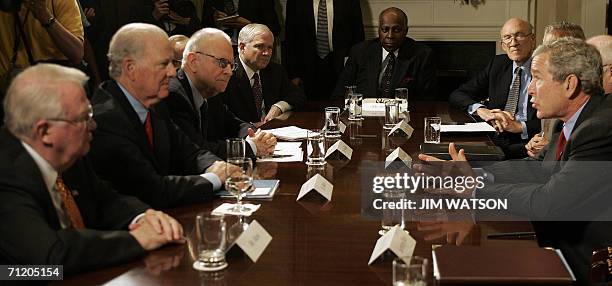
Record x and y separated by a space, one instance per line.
377 67
137 147
502 86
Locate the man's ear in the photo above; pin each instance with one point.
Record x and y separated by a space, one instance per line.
128 66
41 130
571 85
190 62
241 47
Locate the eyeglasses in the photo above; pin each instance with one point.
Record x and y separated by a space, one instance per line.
86 118
507 39
223 63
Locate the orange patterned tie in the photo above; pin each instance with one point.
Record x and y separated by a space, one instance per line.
70 207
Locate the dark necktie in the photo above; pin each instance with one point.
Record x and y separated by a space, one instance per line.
69 205
149 130
385 83
513 95
257 94
322 35
560 145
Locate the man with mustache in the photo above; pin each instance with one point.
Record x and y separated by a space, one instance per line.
377 67
137 147
500 91
260 90
194 106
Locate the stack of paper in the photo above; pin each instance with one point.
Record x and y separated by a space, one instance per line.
285 152
289 133
468 127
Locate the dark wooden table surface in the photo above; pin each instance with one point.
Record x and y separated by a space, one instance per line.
315 242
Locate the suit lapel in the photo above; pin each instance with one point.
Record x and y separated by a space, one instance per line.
266 80
188 96
373 69
161 139
402 63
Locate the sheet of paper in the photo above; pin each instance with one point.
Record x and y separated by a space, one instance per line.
254 240
372 108
289 133
285 152
468 127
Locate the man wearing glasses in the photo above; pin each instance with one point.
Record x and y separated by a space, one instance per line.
260 90
205 72
137 147
500 91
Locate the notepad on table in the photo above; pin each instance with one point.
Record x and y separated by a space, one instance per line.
263 189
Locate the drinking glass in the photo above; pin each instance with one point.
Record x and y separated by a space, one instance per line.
210 241
401 95
348 90
391 113
239 180
432 129
332 122
355 106
315 148
413 273
235 148
392 217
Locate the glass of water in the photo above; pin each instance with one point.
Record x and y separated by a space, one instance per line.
432 129
391 113
413 273
332 122
235 148
239 180
210 240
315 148
348 90
355 105
392 217
401 95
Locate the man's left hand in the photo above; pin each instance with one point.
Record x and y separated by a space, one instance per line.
162 224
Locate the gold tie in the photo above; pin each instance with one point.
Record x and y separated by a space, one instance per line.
69 205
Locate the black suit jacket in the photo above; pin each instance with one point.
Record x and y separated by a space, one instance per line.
256 11
165 177
275 86
214 126
576 188
29 225
414 69
300 35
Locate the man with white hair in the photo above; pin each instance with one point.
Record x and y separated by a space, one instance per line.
137 147
54 209
603 43
260 90
205 72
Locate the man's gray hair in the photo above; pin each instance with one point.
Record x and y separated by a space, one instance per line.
248 32
129 41
564 29
568 56
35 94
603 43
198 40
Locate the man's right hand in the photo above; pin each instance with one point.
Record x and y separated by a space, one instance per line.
297 81
218 168
161 9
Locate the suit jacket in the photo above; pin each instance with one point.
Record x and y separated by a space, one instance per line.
493 84
31 231
574 191
414 69
214 126
167 176
275 87
256 11
300 36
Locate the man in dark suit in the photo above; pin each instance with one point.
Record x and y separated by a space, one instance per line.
195 108
318 37
137 147
377 67
54 208
570 179
499 92
259 90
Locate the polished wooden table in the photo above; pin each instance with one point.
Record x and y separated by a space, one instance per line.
315 242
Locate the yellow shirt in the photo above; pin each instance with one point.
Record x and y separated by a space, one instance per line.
43 48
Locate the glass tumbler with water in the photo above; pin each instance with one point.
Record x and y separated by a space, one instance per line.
235 148
315 148
432 129
332 122
401 95
348 90
391 113
413 273
392 217
355 106
210 240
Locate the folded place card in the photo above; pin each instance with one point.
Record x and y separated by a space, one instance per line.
341 147
342 126
254 240
398 155
398 241
226 209
404 127
319 184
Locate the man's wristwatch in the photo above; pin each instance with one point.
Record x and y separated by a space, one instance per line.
49 22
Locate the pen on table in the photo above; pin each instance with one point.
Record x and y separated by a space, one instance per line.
512 235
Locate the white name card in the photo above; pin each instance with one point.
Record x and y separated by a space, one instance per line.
340 146
342 126
404 127
319 184
398 155
254 240
398 241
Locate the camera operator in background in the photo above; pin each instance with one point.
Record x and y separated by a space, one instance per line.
176 17
38 31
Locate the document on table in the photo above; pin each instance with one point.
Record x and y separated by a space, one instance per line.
468 127
372 108
285 152
289 133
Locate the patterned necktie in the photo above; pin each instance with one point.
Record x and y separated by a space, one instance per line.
385 83
149 130
322 35
257 94
69 205
513 95
560 145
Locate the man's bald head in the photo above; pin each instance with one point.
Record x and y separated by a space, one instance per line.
517 39
396 12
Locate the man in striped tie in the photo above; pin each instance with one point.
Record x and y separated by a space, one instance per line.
54 209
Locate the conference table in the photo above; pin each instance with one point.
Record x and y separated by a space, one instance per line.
314 241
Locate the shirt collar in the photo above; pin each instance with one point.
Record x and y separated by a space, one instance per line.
568 126
49 174
198 100
385 53
141 111
249 71
526 66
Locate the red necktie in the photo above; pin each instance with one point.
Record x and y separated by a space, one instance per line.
560 145
149 130
69 205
